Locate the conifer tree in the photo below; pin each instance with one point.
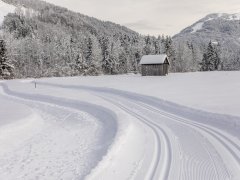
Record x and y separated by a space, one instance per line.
106 61
88 51
171 52
211 59
148 46
6 68
204 63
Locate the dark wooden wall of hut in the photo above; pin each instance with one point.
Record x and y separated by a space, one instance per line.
155 69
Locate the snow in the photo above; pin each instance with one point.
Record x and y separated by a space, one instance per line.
121 127
220 14
230 17
153 59
215 43
234 17
67 143
5 9
208 91
209 19
197 27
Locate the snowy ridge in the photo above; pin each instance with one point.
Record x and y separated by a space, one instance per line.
197 27
229 17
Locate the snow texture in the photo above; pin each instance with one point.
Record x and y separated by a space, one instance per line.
153 59
197 27
230 17
184 126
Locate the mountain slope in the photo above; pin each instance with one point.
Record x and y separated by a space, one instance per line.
222 29
47 40
58 42
85 21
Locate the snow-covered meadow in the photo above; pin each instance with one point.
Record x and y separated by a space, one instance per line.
182 126
210 91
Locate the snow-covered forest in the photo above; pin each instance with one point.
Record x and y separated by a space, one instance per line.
45 40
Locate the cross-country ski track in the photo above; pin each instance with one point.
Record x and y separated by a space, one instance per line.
141 137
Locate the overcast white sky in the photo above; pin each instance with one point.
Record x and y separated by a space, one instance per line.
152 17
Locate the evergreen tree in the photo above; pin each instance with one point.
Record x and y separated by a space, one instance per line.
204 63
163 45
170 51
218 58
156 43
88 51
148 49
79 65
106 61
122 64
6 68
211 59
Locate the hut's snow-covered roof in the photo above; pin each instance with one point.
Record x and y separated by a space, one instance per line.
154 59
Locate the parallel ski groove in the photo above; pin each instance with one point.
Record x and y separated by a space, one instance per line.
204 128
153 126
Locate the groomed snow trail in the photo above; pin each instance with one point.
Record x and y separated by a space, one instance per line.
189 144
162 140
59 139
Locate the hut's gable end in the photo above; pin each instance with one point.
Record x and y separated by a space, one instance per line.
167 61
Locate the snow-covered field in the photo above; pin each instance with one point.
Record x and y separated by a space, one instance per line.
179 127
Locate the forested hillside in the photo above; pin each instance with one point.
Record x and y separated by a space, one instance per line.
213 39
46 40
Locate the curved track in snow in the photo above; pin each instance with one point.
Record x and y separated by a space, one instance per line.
65 141
160 167
189 144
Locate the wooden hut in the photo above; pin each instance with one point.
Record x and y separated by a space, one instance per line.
155 65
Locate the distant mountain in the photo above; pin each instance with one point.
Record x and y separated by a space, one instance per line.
222 29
